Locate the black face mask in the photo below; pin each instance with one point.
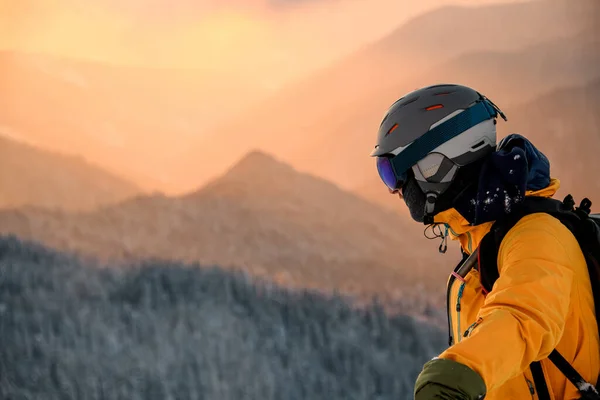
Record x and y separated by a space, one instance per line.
414 199
464 184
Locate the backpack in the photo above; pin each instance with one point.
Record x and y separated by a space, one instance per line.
586 229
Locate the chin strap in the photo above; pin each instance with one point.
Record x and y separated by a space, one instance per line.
438 235
429 207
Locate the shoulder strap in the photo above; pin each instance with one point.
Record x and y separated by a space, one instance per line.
539 380
490 244
587 390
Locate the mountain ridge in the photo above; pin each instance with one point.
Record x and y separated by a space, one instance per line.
30 175
304 230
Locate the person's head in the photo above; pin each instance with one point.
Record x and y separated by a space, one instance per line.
431 144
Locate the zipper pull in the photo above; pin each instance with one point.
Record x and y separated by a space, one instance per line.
472 327
531 389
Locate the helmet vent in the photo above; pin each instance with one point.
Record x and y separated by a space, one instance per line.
443 93
384 118
443 85
407 102
434 107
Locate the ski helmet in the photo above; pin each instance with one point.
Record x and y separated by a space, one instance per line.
434 131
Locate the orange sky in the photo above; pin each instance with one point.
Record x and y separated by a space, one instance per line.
269 40
140 124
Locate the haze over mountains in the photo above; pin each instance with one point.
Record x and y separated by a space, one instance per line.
132 120
158 126
262 40
327 124
31 176
265 217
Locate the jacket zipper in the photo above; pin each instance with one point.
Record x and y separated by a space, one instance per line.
531 387
448 306
460 293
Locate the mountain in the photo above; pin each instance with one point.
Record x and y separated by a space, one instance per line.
132 120
265 217
504 27
526 73
33 176
327 122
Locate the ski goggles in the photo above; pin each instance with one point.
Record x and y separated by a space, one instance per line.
389 176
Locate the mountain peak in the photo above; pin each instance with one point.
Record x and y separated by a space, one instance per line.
257 157
261 177
258 165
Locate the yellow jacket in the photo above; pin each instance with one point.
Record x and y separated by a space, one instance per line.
542 300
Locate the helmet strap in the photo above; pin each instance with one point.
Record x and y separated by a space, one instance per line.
430 199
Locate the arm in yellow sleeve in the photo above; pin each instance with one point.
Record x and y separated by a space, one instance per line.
523 317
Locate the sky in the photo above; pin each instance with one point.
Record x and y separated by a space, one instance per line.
270 40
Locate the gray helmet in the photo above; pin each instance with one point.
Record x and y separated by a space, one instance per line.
435 131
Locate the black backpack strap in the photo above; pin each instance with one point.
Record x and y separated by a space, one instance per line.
587 391
490 244
539 381
487 262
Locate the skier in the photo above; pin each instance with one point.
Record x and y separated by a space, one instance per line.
436 148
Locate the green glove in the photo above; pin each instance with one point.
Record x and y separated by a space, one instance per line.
448 380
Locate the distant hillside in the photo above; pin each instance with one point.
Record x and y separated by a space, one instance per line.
326 123
269 219
166 330
504 27
33 176
122 116
525 74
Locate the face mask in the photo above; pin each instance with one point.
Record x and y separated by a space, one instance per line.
414 199
463 186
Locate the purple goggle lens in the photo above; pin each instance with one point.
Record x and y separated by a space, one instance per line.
387 174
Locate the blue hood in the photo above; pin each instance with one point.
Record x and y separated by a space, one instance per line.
514 168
